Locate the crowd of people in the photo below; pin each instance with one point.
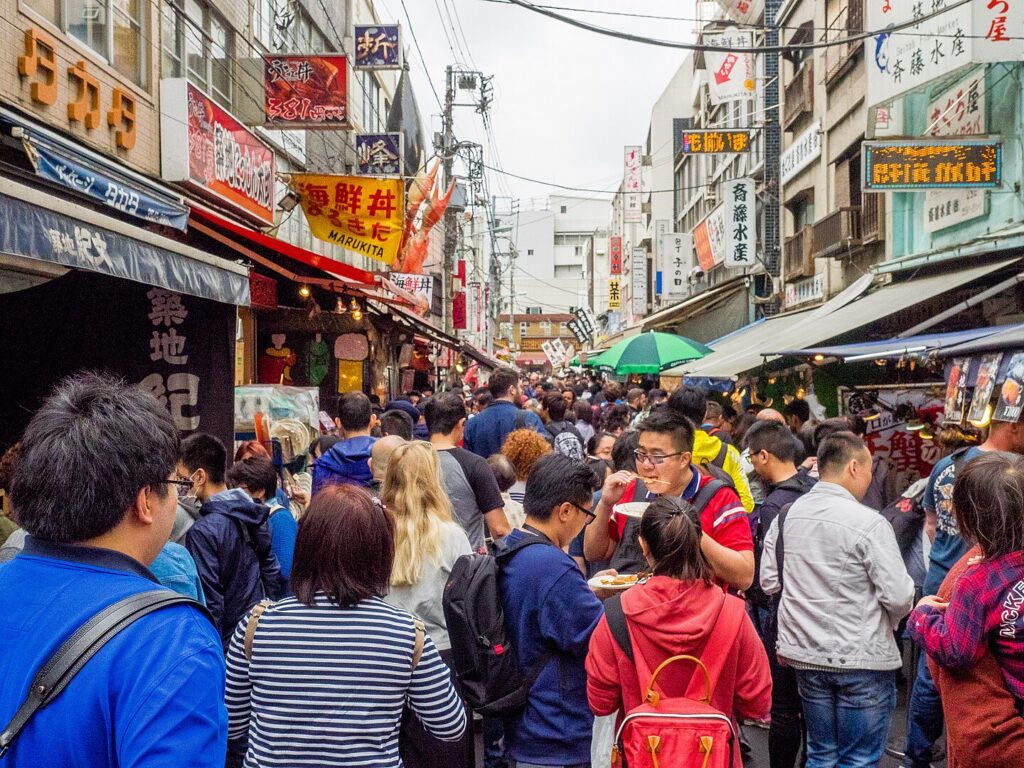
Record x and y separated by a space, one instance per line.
645 554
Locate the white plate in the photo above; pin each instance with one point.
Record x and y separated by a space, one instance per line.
634 509
605 582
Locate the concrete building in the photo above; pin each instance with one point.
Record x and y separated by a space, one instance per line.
524 335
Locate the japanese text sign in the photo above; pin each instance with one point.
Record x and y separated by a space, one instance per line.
956 389
730 74
984 385
677 260
307 91
639 280
378 46
615 256
361 214
805 149
614 293
743 11
709 239
632 184
203 145
934 164
740 223
420 286
1010 403
379 154
714 142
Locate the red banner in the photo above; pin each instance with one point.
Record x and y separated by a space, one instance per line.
311 91
615 256
702 241
459 311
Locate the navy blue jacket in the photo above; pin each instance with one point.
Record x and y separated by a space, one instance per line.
236 573
486 432
345 462
152 696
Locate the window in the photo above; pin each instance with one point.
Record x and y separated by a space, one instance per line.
534 310
545 328
372 120
522 330
564 209
568 272
529 252
197 44
112 28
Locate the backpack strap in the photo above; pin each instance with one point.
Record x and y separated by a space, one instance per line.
780 544
706 494
75 652
617 625
640 490
417 650
252 623
723 453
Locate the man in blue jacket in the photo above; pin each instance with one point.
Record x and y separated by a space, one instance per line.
348 461
549 608
230 542
95 490
486 432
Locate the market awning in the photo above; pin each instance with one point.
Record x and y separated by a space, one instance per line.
1007 339
749 348
481 357
896 348
38 225
683 310
417 325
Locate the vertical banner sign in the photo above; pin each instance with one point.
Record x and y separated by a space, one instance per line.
984 386
959 111
1010 403
730 74
709 239
638 275
632 186
678 262
615 256
306 91
361 214
660 230
378 46
956 389
743 11
549 352
379 154
614 293
740 223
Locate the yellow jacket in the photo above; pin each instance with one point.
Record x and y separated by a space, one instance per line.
706 449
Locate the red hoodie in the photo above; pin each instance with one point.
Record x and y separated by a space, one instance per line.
667 617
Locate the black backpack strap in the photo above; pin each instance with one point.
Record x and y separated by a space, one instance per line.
706 494
723 452
959 456
780 544
68 660
617 625
640 490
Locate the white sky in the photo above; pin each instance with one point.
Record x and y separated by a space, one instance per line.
566 100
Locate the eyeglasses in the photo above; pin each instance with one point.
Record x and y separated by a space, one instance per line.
642 457
591 515
183 487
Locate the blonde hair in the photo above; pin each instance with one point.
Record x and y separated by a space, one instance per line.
415 496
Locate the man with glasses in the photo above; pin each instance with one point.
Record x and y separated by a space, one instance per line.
549 609
663 463
97 518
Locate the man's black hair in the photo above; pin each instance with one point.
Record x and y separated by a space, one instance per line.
398 423
554 480
500 381
799 408
444 412
254 474
669 421
773 437
690 402
354 412
837 450
203 451
555 405
87 452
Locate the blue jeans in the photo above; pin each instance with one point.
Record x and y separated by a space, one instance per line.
924 717
847 716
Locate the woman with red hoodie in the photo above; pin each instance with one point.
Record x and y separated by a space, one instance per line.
671 614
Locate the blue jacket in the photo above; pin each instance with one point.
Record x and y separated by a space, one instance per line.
346 462
175 569
283 532
486 432
236 574
548 605
152 696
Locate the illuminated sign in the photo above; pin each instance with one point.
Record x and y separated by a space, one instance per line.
714 142
932 164
307 91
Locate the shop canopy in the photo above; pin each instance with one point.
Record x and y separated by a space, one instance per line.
756 344
1008 339
912 346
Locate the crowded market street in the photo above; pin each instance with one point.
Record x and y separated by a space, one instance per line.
512 384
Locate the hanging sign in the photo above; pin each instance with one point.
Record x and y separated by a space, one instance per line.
984 385
379 154
638 275
614 293
742 11
306 91
677 250
932 164
615 256
378 46
956 389
420 286
1010 404
740 223
714 142
730 74
632 185
363 215
709 239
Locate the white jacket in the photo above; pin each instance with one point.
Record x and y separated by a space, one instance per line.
846 588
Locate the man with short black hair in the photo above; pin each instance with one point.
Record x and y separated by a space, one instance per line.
550 610
231 541
258 477
714 423
154 694
467 478
397 423
797 413
844 592
347 462
636 399
564 436
486 433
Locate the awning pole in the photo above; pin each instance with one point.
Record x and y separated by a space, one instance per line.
963 305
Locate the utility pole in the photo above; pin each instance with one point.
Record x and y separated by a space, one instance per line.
450 216
772 155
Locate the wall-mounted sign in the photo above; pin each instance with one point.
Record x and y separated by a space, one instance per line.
714 142
932 164
632 185
306 91
740 223
709 239
379 154
207 148
638 281
677 261
730 74
378 46
614 293
802 291
804 150
420 286
615 256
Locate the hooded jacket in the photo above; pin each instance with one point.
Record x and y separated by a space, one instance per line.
668 617
237 567
346 462
706 449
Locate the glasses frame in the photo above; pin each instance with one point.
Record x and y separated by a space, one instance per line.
655 461
591 515
183 487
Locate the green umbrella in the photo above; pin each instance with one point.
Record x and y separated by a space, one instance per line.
650 353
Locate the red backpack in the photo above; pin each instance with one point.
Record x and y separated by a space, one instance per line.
685 731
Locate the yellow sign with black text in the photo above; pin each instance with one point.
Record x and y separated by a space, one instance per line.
614 294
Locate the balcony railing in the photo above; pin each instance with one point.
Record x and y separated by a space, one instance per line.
872 218
849 22
839 231
800 94
798 254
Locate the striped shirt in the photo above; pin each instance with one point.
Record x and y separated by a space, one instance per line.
326 686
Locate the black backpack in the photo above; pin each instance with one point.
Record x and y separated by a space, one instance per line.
800 483
486 669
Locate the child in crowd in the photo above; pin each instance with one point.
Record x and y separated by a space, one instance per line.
986 610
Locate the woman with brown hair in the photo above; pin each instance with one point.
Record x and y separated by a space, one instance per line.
323 676
523 447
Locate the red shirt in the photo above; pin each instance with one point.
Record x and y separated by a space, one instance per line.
723 519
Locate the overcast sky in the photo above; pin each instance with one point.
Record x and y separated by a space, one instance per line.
566 100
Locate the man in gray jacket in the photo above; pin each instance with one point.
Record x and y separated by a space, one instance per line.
845 589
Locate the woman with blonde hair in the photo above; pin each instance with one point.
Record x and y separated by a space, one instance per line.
428 541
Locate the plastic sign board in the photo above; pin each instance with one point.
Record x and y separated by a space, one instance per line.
615 256
714 142
379 154
932 164
730 74
638 273
740 223
378 46
615 293
677 261
306 91
632 185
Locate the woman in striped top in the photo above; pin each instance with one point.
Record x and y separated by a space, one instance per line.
331 668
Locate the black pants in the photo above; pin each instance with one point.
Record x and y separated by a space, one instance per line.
786 733
420 749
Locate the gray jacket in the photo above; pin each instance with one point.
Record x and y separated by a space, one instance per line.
846 588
